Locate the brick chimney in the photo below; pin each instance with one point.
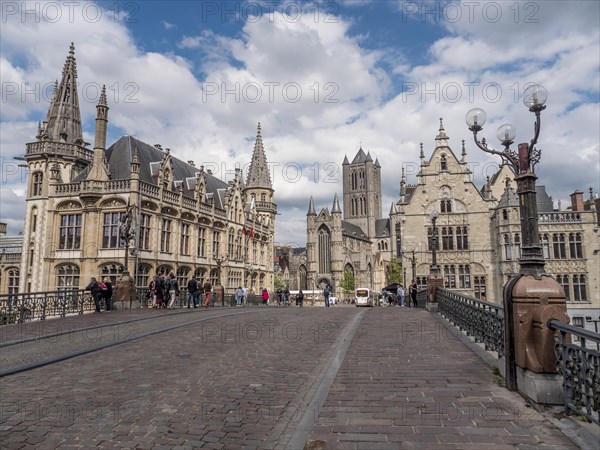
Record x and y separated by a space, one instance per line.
577 201
191 163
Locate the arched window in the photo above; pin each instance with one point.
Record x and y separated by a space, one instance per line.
558 244
462 238
505 214
447 238
563 280
239 246
324 250
446 206
200 274
545 246
450 277
464 277
37 182
214 277
67 277
443 163
579 288
507 247
14 276
33 219
112 271
575 245
302 281
143 275
183 274
164 271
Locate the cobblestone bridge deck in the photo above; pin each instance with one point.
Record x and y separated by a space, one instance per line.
264 378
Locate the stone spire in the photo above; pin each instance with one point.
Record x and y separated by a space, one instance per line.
422 154
463 153
441 138
402 185
63 122
311 207
346 162
258 174
336 205
99 171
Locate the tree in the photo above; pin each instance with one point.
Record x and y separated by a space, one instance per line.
278 282
393 272
348 283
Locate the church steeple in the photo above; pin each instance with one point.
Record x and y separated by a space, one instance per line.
63 122
258 174
441 138
311 207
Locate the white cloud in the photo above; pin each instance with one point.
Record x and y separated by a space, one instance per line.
159 97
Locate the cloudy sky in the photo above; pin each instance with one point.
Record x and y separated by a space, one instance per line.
322 78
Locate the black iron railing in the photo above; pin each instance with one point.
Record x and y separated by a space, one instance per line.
482 320
422 298
580 369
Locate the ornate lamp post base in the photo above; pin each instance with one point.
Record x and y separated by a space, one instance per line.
125 297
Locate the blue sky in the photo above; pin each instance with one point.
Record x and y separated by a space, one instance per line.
331 76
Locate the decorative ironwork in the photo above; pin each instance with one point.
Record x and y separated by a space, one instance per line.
422 298
580 369
482 320
20 308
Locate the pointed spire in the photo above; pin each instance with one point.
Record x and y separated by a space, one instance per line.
336 205
369 157
258 173
64 118
393 209
135 161
346 162
442 138
422 154
99 170
311 207
377 163
463 153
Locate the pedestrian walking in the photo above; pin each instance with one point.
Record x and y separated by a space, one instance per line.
413 293
96 292
326 294
400 294
265 297
244 295
239 296
193 292
299 299
207 290
173 289
107 293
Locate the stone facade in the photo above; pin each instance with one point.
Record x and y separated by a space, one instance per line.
185 220
478 232
11 248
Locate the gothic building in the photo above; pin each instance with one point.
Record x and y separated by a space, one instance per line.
478 232
186 220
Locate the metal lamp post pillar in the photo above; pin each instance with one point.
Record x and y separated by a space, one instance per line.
531 298
434 280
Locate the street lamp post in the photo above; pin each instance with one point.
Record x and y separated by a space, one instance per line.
413 262
522 165
434 280
530 295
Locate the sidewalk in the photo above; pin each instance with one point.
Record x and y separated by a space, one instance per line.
407 382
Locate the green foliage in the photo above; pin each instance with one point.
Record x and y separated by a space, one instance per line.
348 283
393 272
278 281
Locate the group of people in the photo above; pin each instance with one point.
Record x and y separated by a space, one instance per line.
163 291
241 295
411 300
101 291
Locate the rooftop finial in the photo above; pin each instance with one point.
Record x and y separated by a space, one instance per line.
102 100
422 154
72 49
441 124
258 129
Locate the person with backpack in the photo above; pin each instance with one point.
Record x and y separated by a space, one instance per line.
107 293
173 289
96 291
299 298
192 288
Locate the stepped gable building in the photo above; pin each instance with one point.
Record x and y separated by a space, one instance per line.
478 232
186 220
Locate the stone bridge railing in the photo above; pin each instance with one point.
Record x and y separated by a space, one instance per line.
577 362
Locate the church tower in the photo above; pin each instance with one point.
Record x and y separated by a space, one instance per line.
259 192
362 191
58 154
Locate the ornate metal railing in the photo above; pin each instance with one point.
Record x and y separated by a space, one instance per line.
422 298
20 308
482 320
580 369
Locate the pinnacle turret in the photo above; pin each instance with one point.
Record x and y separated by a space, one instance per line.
63 122
311 207
258 174
336 205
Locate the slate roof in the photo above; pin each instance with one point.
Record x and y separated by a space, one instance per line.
382 227
509 198
543 200
120 154
353 231
360 157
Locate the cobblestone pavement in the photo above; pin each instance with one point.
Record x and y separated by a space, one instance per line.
232 382
110 329
407 382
